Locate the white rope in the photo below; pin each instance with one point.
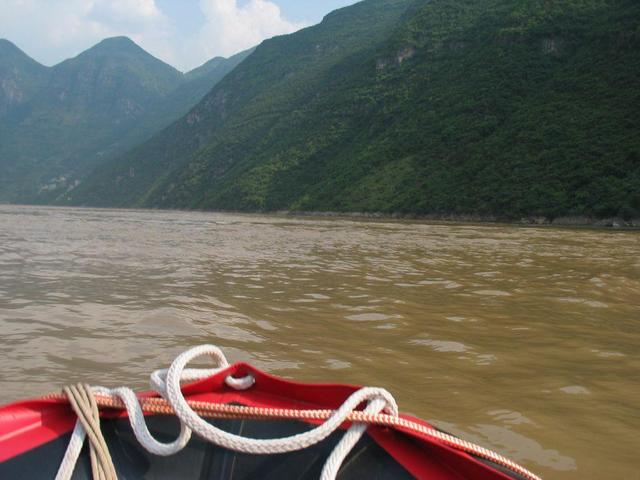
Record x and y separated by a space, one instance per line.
348 441
167 384
260 446
65 471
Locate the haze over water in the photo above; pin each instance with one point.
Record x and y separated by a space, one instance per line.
522 339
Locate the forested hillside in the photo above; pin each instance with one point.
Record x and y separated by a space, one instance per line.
446 106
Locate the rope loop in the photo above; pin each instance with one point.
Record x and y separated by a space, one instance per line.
261 446
159 377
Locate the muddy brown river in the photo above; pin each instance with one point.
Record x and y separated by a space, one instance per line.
525 340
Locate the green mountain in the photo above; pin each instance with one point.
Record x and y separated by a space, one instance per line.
59 123
433 107
20 78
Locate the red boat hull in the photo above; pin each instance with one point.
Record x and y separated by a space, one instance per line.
34 431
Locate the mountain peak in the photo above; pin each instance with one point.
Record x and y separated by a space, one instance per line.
116 44
123 50
9 48
10 53
7 45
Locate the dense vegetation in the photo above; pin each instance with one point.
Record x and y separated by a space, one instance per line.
447 106
56 124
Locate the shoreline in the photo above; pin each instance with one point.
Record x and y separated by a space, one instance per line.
614 223
609 223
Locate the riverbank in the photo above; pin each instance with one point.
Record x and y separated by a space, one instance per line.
568 221
565 221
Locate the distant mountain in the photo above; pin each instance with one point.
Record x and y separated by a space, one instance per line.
193 88
59 123
206 68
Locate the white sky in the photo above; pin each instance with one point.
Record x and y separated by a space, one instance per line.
183 33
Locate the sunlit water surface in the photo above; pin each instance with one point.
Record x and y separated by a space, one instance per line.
523 339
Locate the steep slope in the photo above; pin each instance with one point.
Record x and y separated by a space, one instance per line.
282 73
87 110
451 106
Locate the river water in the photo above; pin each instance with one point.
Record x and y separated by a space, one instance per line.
525 340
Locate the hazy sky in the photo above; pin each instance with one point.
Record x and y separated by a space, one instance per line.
184 33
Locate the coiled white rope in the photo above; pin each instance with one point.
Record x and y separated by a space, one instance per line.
167 384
